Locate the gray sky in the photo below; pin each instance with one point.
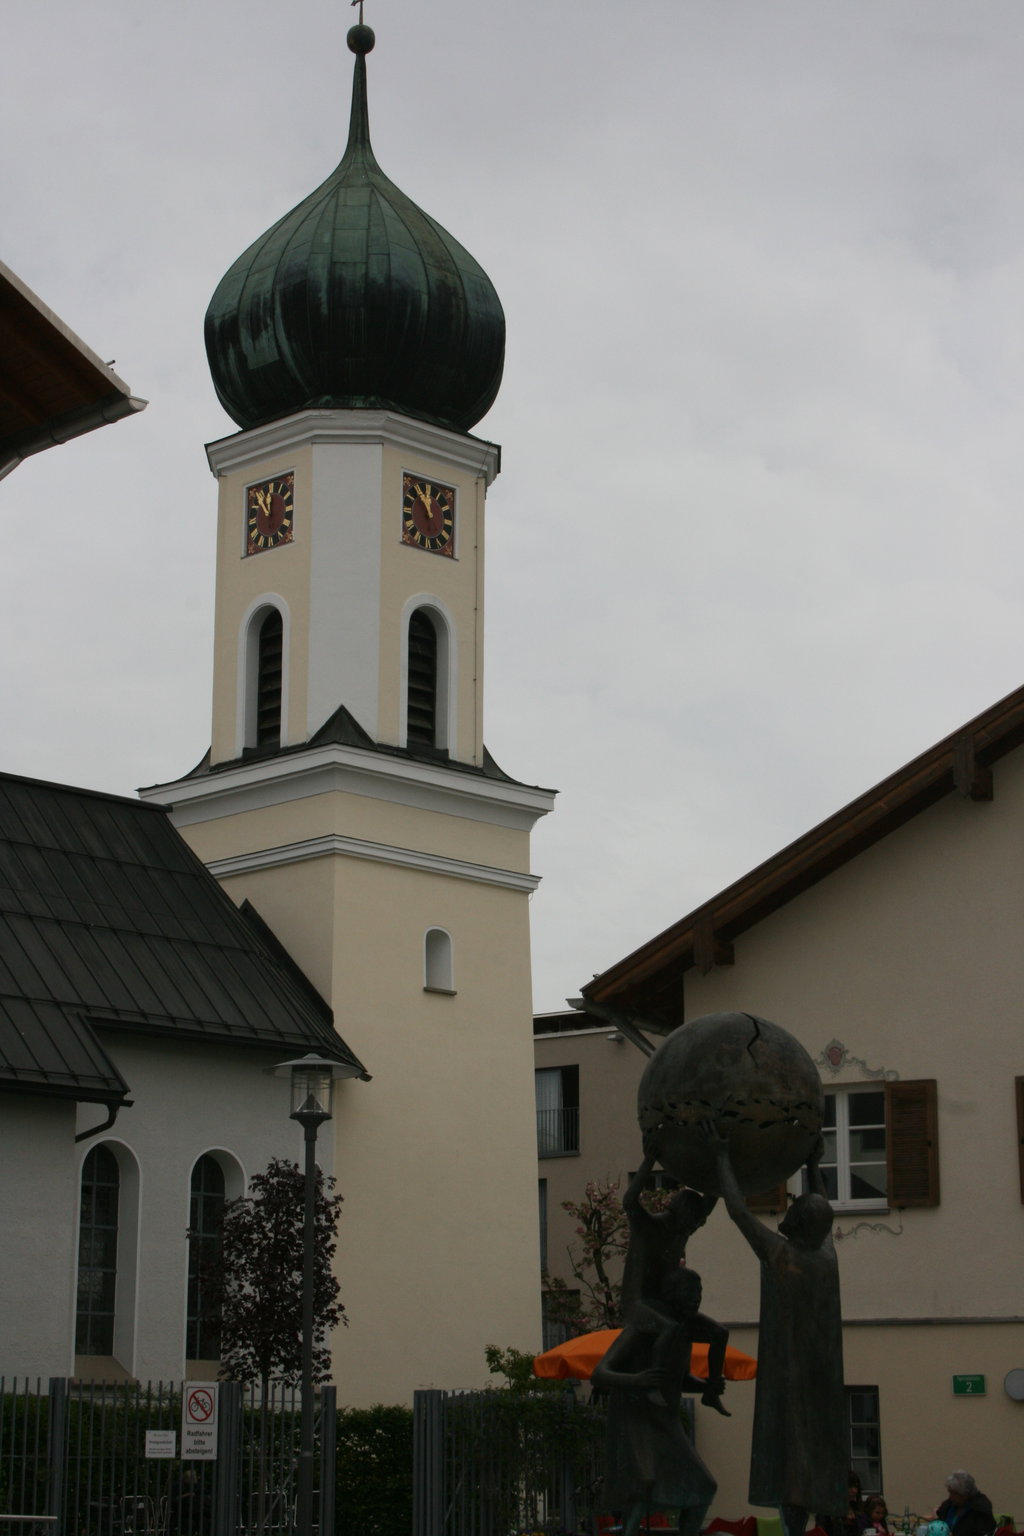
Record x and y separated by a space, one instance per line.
758 536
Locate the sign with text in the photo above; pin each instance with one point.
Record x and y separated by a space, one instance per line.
161 1444
968 1386
199 1421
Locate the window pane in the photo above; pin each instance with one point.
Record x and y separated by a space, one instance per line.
867 1181
867 1108
830 1109
829 1152
865 1440
866 1145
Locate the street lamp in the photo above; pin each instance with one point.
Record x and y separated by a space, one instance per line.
312 1080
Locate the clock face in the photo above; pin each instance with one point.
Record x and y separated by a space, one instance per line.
269 513
428 515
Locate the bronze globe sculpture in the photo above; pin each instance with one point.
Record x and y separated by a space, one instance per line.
749 1077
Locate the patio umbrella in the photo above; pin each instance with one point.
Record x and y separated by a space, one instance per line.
578 1357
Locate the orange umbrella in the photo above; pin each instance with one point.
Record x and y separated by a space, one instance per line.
577 1357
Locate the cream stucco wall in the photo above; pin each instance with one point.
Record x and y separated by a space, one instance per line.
439 1249
351 855
346 583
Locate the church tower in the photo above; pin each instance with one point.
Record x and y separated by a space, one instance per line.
348 793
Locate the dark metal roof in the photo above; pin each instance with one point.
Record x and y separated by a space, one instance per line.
52 387
356 299
109 921
647 986
342 729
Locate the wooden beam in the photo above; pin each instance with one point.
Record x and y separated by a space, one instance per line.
973 780
709 948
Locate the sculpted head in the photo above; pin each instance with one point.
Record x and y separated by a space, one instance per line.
808 1221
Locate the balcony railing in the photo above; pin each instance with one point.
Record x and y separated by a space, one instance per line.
558 1131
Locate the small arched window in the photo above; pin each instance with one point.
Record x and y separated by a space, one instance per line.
439 975
206 1214
269 680
97 1254
421 719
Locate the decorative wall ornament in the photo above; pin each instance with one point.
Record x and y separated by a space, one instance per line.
835 1056
838 1234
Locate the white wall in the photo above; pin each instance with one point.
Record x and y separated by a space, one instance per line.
38 1203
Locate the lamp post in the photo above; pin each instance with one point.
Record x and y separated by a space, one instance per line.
312 1079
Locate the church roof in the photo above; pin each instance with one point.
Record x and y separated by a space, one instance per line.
54 386
343 729
356 299
108 921
647 986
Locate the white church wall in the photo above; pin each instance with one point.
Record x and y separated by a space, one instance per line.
38 1203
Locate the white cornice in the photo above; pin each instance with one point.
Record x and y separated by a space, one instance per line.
381 853
458 448
257 785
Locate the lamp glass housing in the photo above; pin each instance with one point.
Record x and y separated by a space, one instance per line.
312 1089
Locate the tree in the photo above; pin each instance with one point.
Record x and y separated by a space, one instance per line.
261 1278
595 1260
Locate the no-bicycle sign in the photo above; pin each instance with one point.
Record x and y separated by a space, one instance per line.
199 1421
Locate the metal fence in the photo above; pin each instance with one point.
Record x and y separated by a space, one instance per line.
501 1463
77 1459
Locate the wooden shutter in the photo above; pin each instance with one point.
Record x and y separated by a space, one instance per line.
269 680
911 1119
422 695
1018 1084
768 1200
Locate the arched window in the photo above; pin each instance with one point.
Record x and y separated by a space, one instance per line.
97 1254
421 719
206 1211
437 954
269 680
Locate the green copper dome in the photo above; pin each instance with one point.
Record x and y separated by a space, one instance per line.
357 298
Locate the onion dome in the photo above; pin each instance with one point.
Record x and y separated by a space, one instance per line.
356 299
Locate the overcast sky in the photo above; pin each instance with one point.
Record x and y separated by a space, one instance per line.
758 537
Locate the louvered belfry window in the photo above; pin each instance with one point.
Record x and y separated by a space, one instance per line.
422 702
268 682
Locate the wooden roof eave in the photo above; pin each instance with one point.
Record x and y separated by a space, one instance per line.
648 982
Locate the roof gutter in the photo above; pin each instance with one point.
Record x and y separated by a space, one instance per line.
108 1122
71 424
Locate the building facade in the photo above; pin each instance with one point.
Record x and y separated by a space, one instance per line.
887 940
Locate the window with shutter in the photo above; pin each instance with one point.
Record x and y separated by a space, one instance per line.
422 696
911 1110
771 1201
269 680
1019 1087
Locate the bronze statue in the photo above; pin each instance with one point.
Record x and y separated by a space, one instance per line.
657 1248
799 1453
652 1463
657 1239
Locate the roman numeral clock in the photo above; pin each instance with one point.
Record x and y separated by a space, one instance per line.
428 515
270 513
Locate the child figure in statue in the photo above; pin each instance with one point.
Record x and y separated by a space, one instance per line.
657 1248
651 1461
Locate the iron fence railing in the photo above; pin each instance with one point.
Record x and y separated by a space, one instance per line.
78 1459
558 1131
501 1463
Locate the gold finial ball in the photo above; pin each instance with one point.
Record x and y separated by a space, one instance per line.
752 1080
360 38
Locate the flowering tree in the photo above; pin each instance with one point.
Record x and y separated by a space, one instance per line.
261 1277
593 1299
